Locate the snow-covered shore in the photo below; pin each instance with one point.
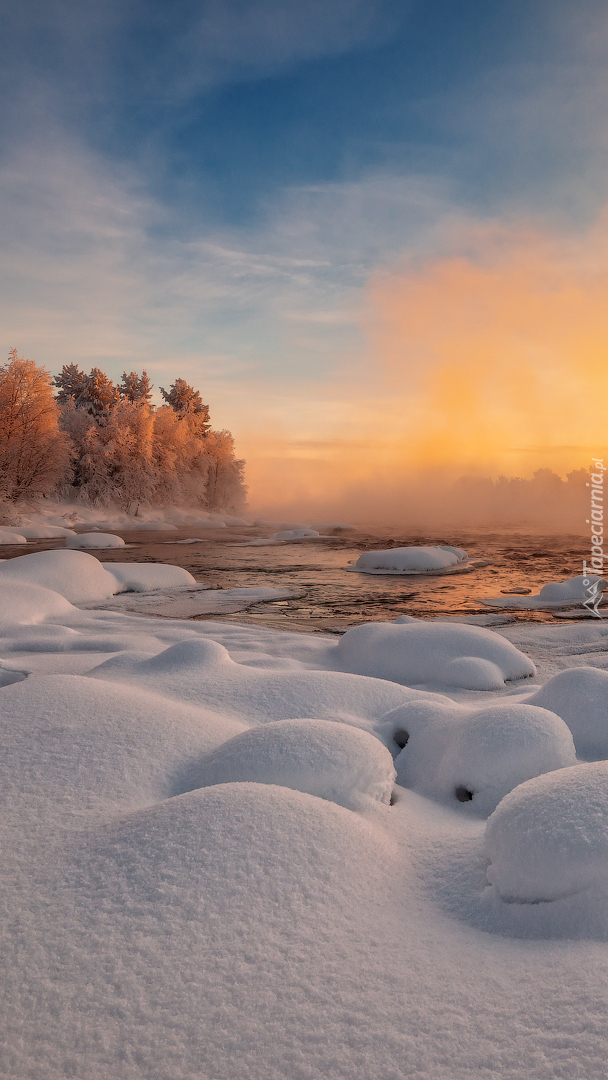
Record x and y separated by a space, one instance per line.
180 900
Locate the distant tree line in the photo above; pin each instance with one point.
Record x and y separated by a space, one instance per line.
80 433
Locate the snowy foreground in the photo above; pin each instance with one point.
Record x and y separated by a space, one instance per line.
241 854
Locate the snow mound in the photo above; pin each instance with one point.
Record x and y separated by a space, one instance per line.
45 532
580 697
548 838
409 560
26 604
476 756
554 594
432 653
67 744
294 534
333 761
79 577
147 577
94 540
201 670
11 536
572 589
334 527
10 675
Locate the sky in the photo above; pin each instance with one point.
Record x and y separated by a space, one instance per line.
372 233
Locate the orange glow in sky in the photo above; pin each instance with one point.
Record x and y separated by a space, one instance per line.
492 359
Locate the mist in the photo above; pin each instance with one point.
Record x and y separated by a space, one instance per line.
478 396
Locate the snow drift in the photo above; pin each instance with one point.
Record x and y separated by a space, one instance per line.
476 756
409 560
580 697
79 577
91 540
555 594
419 653
333 761
548 838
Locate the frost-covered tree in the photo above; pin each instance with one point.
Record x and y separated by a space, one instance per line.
114 460
186 401
93 392
225 481
70 382
99 395
136 388
129 453
34 453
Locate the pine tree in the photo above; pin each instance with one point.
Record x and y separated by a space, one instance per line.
136 388
128 453
71 383
186 401
99 395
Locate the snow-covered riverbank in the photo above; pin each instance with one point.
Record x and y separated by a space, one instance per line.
180 899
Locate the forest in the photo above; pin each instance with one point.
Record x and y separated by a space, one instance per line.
81 436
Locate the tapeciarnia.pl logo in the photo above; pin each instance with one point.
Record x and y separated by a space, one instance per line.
593 588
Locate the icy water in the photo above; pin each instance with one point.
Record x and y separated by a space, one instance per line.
331 598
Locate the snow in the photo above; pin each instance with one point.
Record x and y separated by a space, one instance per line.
44 532
409 560
549 838
189 540
203 876
145 577
294 534
553 595
91 540
79 577
473 757
189 601
202 670
11 536
333 761
334 526
25 604
419 653
580 697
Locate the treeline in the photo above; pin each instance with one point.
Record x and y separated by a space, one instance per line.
82 435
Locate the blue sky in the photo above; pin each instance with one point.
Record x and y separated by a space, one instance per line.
207 187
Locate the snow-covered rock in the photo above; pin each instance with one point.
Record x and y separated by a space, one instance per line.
45 532
124 746
91 540
23 603
202 670
548 838
409 560
11 536
476 756
416 653
334 527
147 577
79 577
333 761
580 696
555 594
294 534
